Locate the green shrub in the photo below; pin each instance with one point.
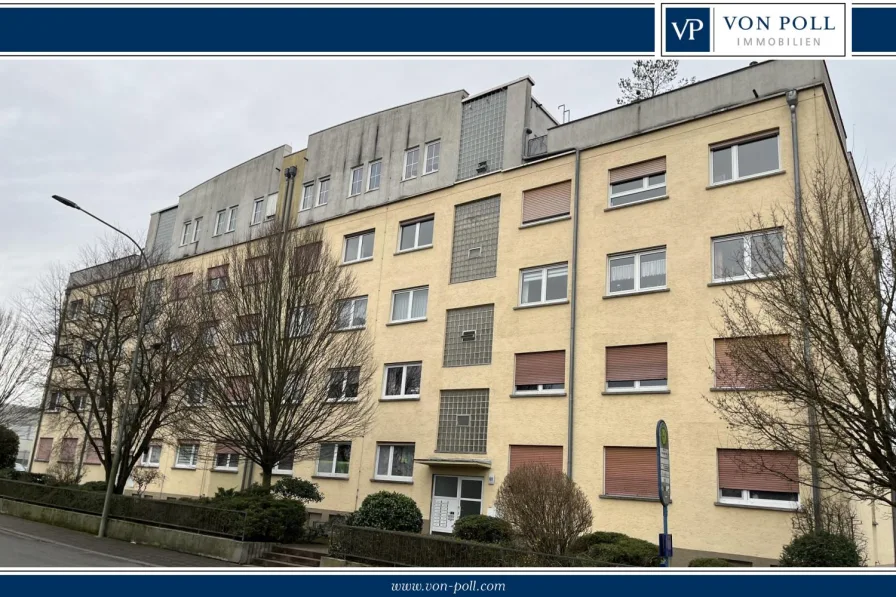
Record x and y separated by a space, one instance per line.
26 477
93 486
9 447
821 549
625 550
483 529
298 489
389 511
267 519
584 542
709 563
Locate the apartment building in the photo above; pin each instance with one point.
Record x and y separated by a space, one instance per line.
540 292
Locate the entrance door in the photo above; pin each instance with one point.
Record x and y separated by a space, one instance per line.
453 497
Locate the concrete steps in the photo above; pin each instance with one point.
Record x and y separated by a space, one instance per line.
288 556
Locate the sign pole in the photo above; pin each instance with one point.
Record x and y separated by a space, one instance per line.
664 488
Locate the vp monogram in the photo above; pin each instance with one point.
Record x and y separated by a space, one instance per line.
691 26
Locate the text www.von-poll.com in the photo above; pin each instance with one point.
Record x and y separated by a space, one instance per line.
470 586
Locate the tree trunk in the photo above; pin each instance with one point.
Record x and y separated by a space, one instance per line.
266 476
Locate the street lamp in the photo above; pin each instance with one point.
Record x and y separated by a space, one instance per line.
116 458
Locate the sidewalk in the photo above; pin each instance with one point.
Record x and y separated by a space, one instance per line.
128 554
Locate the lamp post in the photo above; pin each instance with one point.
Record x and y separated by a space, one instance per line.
116 458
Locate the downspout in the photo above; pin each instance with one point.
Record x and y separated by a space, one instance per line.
572 318
792 100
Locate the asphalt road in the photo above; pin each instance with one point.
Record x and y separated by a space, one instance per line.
18 550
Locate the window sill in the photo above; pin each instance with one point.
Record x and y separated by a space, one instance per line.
282 473
550 304
717 389
152 466
634 392
334 477
755 507
630 498
342 330
231 471
539 395
345 263
739 281
405 322
183 468
414 250
638 293
341 400
545 221
408 482
400 399
372 190
430 172
636 203
40 460
746 179
407 179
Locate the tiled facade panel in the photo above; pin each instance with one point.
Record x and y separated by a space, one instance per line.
482 135
463 422
474 254
476 349
165 232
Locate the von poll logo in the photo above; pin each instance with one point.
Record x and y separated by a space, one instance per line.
687 29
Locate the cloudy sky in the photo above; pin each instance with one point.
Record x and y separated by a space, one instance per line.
125 137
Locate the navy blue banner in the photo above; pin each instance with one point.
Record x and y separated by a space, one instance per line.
873 29
336 30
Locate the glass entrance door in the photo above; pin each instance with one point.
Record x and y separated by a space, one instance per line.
452 498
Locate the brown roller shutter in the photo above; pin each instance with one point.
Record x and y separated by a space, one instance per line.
630 472
547 202
222 449
741 374
91 456
44 448
637 363
69 447
523 455
219 271
534 368
639 170
744 139
759 470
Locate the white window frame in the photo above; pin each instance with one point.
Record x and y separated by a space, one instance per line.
437 144
360 236
220 223
379 175
635 387
735 175
416 224
284 471
540 391
258 210
307 197
270 212
333 473
193 456
747 255
187 233
351 181
345 371
544 284
746 500
146 458
303 314
323 192
390 477
412 291
197 229
231 219
406 163
645 186
54 404
191 384
230 456
637 255
353 301
404 380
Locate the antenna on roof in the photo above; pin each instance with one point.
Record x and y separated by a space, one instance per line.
564 113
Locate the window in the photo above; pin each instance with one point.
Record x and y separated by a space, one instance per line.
270 210
357 181
352 314
68 449
247 329
220 222
323 192
411 159
416 235
44 449
373 178
80 402
231 218
55 402
543 285
91 456
395 462
639 182
300 322
307 196
630 472
256 270
748 363
88 351
358 247
154 291
343 385
637 368
181 286
187 455
637 272
549 455
197 229
209 333
218 277
547 203
195 391
187 234
745 256
333 460
767 478
540 373
226 458
744 159
151 456
431 159
102 304
306 259
409 305
402 381
74 309
239 390
284 466
257 212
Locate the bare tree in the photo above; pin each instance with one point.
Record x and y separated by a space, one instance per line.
290 360
650 78
19 366
816 333
96 312
143 477
838 517
544 506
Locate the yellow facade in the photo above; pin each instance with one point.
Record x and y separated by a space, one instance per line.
685 317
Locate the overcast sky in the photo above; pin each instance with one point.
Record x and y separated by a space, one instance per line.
125 137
